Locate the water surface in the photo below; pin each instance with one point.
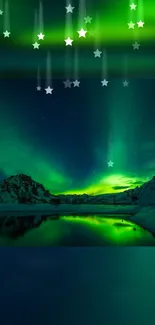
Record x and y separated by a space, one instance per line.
94 230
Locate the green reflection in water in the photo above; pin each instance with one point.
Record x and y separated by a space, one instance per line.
83 230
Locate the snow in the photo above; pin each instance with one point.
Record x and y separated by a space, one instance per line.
142 216
48 209
145 218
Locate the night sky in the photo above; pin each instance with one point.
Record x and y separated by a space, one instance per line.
65 140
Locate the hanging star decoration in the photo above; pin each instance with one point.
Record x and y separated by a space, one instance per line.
69 9
82 33
67 83
41 36
69 41
76 83
6 33
104 82
38 88
133 6
48 90
110 163
36 45
131 25
140 23
125 83
1 12
97 53
88 20
136 46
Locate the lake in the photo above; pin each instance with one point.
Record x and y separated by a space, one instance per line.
92 230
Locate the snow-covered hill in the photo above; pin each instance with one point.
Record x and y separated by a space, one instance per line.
143 196
22 189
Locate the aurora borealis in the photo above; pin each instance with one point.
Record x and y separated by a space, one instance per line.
65 140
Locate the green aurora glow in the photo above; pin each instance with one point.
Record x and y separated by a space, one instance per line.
112 32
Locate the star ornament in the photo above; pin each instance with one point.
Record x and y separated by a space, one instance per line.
104 82
133 6
1 12
82 33
6 33
76 83
110 163
68 41
36 45
88 20
48 90
67 83
125 83
41 36
136 46
131 25
69 9
38 88
97 53
140 23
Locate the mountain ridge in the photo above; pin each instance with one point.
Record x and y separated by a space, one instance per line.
23 189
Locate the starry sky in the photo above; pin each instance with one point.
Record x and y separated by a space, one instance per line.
65 139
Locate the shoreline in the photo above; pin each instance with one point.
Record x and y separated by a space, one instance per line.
140 215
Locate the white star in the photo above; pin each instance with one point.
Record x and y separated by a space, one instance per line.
6 33
125 83
68 41
136 46
76 83
140 23
88 19
82 33
36 45
1 12
97 53
67 83
110 163
41 36
38 88
69 8
133 6
104 82
48 90
131 25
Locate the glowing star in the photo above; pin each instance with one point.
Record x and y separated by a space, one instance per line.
6 33
68 41
136 46
97 53
82 33
110 163
104 82
36 45
133 6
88 20
1 12
131 25
76 83
38 88
48 90
41 36
69 8
67 83
140 23
125 83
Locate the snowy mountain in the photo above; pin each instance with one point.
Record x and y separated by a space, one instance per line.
143 196
22 189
